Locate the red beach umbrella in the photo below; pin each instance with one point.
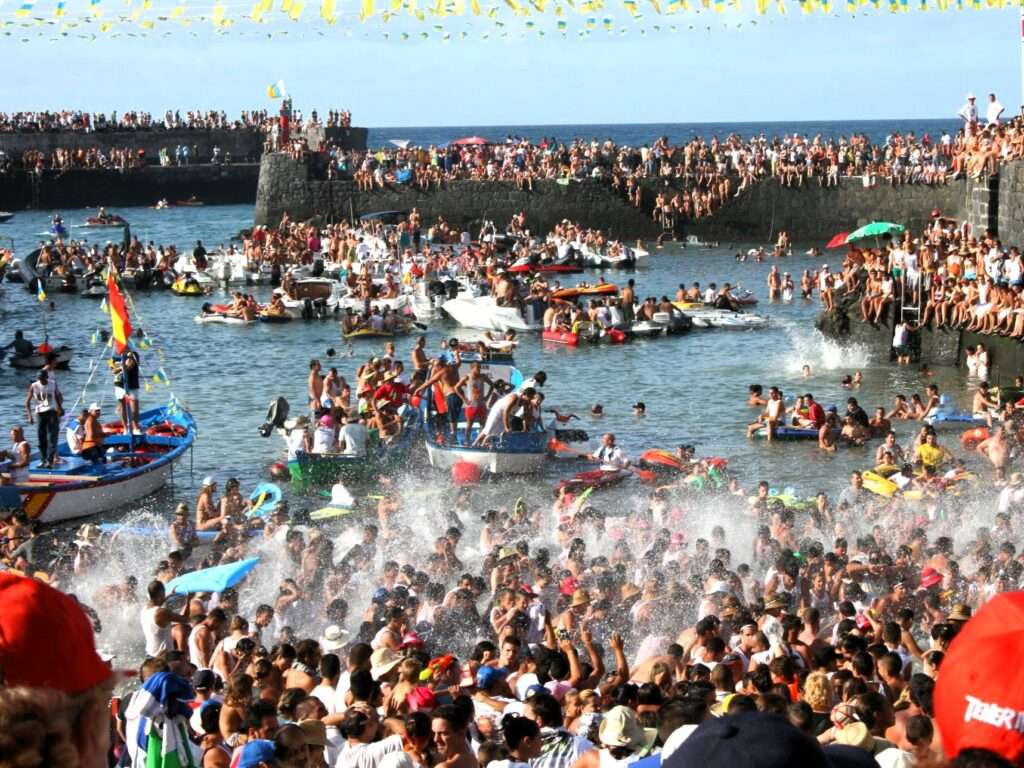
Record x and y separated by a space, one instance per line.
838 240
470 140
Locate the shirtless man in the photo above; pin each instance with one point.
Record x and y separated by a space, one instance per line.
474 389
627 298
419 355
997 450
774 413
774 283
449 728
204 638
982 404
207 516
446 375
315 386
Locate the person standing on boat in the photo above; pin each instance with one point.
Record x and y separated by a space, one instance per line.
45 404
18 458
126 390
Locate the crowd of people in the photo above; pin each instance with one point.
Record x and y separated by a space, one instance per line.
77 121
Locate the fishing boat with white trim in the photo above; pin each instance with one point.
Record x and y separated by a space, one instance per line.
136 466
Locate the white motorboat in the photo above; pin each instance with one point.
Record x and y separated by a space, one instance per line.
310 297
483 312
228 267
724 318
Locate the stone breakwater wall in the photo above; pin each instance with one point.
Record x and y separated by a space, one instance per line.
818 213
242 145
287 186
757 214
210 184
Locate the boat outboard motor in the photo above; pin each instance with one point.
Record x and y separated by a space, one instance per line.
307 309
277 415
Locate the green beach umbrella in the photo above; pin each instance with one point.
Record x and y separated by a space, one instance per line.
876 229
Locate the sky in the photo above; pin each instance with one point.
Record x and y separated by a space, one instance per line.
873 65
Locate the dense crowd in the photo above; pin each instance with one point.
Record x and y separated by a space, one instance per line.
76 121
693 178
946 277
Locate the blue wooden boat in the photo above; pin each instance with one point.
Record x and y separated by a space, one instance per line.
136 466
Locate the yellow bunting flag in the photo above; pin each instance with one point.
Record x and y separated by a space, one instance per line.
367 10
327 11
296 10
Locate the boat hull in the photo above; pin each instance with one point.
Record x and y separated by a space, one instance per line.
79 489
495 462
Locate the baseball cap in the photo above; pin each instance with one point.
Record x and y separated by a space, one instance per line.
203 679
46 641
978 705
750 739
256 752
930 577
208 481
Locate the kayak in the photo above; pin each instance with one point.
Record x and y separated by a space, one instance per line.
972 438
600 289
789 433
150 532
659 461
329 513
182 287
264 498
594 479
222 319
879 484
561 337
567 269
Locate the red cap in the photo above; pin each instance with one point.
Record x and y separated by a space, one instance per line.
979 705
411 640
46 641
421 699
930 577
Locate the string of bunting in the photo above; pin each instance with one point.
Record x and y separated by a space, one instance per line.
436 19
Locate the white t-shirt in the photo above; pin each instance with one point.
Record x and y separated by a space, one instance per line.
323 440
355 437
44 396
368 755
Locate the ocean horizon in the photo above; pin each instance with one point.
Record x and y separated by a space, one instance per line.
638 134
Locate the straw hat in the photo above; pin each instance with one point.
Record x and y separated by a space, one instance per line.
333 639
778 601
580 597
383 661
620 728
855 735
959 612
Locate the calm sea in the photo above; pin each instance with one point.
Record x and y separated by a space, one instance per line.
641 134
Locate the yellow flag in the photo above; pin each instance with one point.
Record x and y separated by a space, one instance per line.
256 14
218 14
367 11
106 26
296 10
474 6
327 11
148 24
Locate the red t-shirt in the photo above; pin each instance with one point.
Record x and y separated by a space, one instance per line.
816 414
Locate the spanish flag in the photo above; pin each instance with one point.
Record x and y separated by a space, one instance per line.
120 325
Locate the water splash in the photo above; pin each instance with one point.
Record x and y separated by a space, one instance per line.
809 346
